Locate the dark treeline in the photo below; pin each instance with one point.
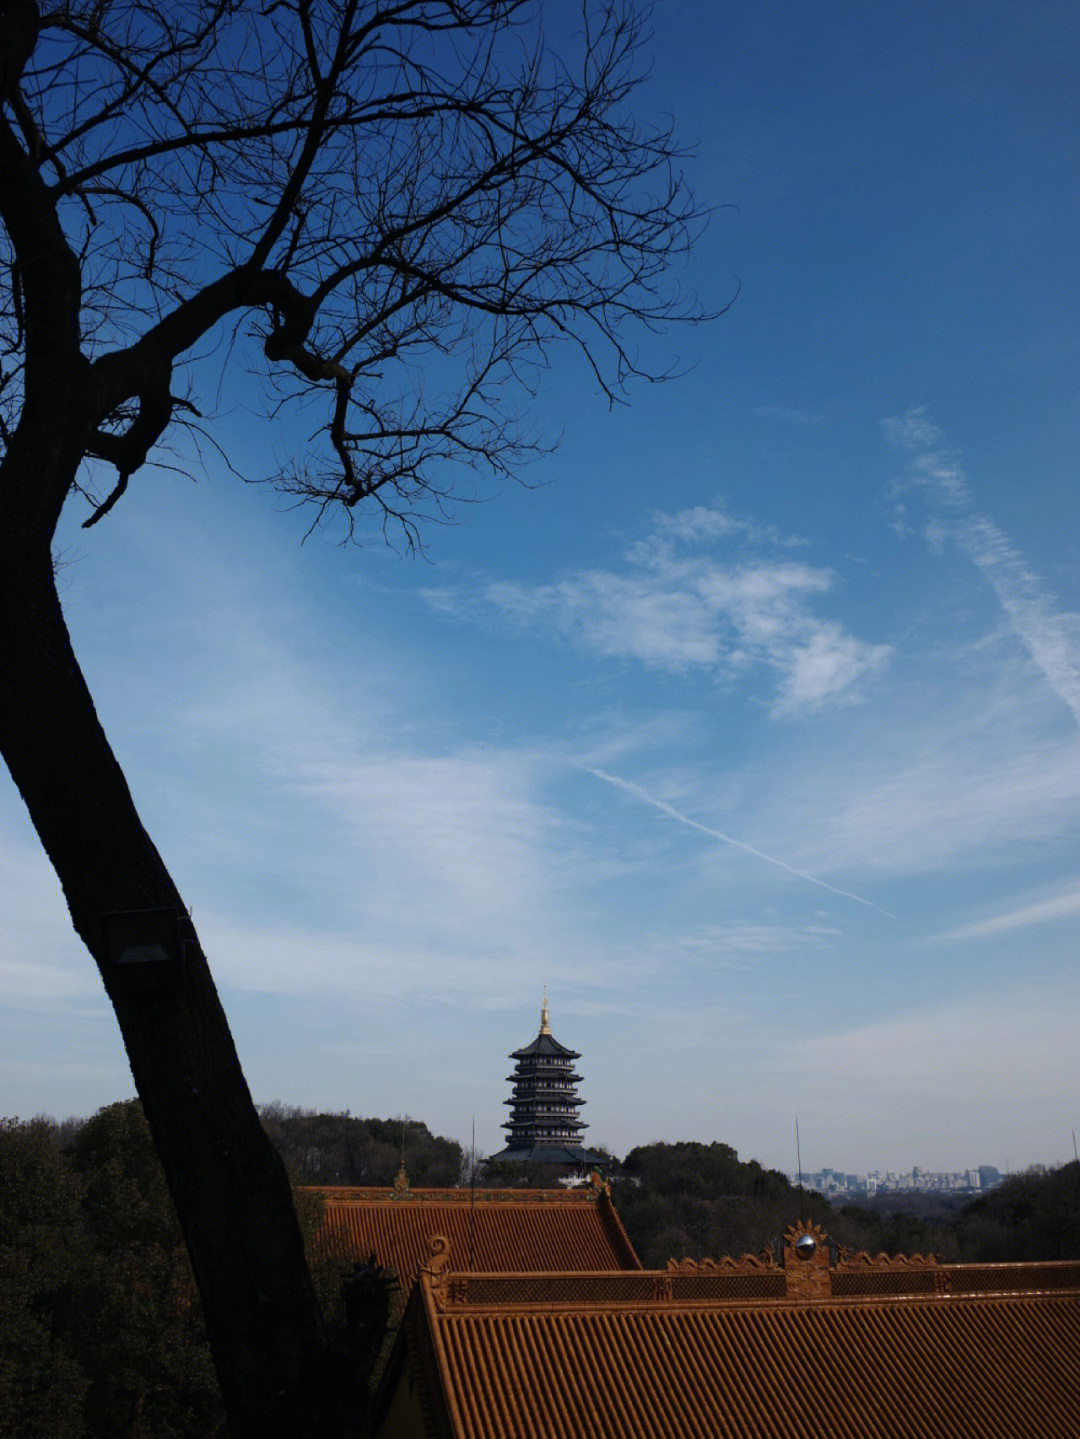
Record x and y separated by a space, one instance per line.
1029 1216
700 1200
345 1149
101 1332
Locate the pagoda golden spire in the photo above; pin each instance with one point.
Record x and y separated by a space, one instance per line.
545 1017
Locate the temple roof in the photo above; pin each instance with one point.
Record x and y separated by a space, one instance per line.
525 1230
901 1348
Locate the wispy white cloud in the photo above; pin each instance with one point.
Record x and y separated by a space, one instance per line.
932 464
929 793
1049 910
742 944
677 605
828 663
1050 635
459 840
703 523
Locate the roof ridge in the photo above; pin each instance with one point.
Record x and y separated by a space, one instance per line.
745 1285
339 1193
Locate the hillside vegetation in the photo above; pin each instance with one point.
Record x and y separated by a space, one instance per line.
345 1149
101 1333
691 1200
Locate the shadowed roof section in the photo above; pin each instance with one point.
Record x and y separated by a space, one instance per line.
516 1230
860 1349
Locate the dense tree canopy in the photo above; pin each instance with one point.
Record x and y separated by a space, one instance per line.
42 1386
102 1331
347 1149
691 1200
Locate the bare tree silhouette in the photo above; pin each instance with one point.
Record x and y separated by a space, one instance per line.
394 208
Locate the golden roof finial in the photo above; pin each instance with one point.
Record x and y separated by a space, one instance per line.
545 1017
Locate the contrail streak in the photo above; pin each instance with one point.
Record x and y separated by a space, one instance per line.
1047 634
668 809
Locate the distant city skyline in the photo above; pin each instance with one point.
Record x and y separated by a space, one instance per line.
978 1178
751 728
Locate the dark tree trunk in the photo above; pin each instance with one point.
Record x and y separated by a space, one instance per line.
230 1188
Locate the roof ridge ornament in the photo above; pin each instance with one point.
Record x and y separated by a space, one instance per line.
807 1275
439 1257
436 1267
726 1264
545 1017
861 1260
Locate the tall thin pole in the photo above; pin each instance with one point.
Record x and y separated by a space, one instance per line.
798 1157
472 1195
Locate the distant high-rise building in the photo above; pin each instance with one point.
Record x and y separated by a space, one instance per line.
988 1176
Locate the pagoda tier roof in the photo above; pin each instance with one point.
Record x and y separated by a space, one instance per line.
552 1153
544 1073
535 1095
519 1229
742 1348
541 1121
545 1046
536 1125
527 1140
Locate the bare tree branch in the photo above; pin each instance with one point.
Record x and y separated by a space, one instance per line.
384 188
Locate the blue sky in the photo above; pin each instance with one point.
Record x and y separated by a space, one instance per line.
751 729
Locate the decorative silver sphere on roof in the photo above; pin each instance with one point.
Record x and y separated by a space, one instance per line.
805 1246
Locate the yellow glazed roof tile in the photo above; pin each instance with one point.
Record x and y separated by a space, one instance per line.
520 1231
987 1350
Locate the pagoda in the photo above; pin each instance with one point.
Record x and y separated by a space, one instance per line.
544 1127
